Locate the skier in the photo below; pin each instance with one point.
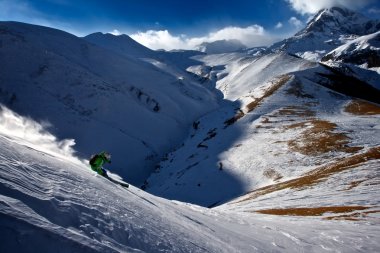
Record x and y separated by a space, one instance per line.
97 162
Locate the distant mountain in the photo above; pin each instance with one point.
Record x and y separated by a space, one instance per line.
328 29
221 46
121 44
104 100
291 117
364 50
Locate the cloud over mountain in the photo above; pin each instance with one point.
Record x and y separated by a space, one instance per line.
311 7
254 35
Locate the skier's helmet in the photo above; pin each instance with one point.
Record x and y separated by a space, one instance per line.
107 156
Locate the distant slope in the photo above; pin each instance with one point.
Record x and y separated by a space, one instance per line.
221 46
105 101
121 44
263 137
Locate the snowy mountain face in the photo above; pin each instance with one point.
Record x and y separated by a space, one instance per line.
294 142
104 100
328 29
50 201
221 46
288 161
364 50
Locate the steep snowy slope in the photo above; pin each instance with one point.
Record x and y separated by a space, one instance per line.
364 51
50 201
240 74
104 100
328 29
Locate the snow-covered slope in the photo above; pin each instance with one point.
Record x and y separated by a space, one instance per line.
106 101
263 138
328 29
364 51
238 74
287 162
50 201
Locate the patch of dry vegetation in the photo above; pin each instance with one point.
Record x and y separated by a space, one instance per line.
266 121
272 174
354 184
312 211
357 216
296 89
295 111
319 138
369 180
361 107
257 101
316 176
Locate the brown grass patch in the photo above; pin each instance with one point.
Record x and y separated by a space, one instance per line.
295 111
357 216
296 89
266 121
354 184
296 125
361 107
257 101
320 139
316 176
272 174
366 181
268 92
240 114
311 211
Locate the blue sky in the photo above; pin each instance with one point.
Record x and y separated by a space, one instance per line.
178 24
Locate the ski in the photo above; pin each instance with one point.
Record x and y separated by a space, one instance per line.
126 185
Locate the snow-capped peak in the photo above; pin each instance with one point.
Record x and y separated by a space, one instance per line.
327 30
340 20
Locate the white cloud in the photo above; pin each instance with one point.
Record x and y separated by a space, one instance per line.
279 25
161 39
311 7
295 22
251 36
115 32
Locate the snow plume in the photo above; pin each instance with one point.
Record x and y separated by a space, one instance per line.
312 7
251 36
28 132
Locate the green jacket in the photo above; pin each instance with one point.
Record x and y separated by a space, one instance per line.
97 162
